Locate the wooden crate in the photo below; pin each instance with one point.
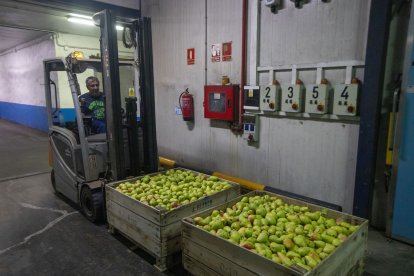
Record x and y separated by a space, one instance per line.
208 254
157 231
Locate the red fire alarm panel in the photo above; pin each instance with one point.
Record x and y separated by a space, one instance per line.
221 102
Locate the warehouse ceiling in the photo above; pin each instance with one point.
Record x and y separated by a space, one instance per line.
25 20
11 38
21 22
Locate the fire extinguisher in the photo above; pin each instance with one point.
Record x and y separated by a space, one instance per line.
187 105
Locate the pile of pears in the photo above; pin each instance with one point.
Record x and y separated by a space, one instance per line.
173 188
286 234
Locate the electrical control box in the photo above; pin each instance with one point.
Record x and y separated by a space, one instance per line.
292 98
251 98
251 127
221 102
270 98
317 98
345 101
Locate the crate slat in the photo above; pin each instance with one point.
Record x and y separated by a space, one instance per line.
215 261
197 268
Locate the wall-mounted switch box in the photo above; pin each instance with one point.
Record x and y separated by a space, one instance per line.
292 98
251 124
270 98
345 100
251 98
317 98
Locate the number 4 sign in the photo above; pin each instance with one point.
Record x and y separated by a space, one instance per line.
346 99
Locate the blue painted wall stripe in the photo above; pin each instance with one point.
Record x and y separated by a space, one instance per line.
31 115
28 115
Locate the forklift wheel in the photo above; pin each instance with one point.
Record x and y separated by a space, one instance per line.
92 204
52 179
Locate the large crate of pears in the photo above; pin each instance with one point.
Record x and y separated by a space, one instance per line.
148 209
262 233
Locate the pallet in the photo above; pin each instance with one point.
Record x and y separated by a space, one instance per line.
207 254
157 231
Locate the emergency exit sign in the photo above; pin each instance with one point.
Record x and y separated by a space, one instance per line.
226 51
190 56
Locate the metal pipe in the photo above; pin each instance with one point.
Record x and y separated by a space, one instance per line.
205 46
25 45
56 38
243 65
26 28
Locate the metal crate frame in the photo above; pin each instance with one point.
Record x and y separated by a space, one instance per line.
209 254
157 231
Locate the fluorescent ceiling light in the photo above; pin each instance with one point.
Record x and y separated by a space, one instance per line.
85 20
80 15
81 21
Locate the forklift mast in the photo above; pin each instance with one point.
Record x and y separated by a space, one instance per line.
111 85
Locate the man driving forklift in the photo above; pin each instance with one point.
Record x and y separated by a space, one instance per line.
93 105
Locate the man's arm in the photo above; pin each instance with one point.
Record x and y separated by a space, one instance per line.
83 104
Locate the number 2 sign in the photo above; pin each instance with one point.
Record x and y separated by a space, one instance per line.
269 98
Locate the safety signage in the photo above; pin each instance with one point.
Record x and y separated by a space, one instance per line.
226 51
190 56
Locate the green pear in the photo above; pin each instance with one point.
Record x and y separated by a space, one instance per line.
275 247
235 236
300 240
263 237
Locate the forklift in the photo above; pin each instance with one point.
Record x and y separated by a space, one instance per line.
83 162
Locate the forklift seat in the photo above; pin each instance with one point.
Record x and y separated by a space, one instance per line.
101 137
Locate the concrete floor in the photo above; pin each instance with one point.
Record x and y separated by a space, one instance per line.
44 234
23 151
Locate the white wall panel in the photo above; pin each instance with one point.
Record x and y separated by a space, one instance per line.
21 73
311 158
177 26
224 24
319 32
